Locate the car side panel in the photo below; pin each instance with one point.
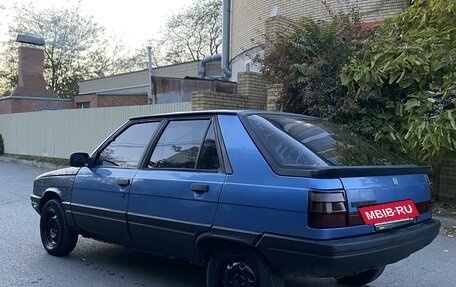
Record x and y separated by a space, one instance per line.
255 199
165 215
99 203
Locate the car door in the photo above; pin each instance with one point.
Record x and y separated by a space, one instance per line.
175 196
100 192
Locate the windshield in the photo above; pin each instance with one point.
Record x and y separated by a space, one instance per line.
332 144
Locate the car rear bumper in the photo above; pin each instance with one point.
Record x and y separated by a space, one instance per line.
332 258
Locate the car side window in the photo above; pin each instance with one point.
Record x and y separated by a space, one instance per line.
208 159
127 148
180 145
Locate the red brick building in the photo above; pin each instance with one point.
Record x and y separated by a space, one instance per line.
31 93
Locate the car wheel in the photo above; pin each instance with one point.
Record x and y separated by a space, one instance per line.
229 267
361 278
57 237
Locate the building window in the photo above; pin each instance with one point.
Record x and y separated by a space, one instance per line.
84 105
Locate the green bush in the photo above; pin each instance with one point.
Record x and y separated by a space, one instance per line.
308 61
2 147
405 81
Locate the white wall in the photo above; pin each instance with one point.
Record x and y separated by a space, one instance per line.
62 132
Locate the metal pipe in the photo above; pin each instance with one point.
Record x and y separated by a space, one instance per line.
150 93
225 56
208 59
226 71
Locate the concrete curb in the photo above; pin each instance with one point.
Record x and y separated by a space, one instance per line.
446 221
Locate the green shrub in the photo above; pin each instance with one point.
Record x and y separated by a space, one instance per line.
307 63
405 81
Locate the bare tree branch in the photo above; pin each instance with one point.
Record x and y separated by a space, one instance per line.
191 34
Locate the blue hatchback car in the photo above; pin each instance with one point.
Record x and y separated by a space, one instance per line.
254 196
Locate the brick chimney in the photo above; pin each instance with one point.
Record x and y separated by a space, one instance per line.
31 77
31 94
31 68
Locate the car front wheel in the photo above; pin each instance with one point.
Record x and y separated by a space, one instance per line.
57 237
361 278
240 267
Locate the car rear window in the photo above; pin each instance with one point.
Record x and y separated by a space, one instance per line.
298 140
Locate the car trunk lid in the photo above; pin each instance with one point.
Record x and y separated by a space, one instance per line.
393 194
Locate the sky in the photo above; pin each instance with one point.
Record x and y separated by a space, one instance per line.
134 21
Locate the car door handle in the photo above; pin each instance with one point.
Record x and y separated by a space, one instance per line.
200 187
123 182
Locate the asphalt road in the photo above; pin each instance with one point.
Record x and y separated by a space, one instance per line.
25 263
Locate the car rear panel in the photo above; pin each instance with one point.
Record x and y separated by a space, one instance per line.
372 190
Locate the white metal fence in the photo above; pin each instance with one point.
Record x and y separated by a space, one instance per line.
61 132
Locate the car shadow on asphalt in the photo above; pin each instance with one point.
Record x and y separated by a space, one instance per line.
137 268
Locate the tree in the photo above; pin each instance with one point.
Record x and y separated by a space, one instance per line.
307 64
405 80
8 68
191 34
75 50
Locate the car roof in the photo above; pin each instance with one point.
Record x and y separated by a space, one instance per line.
189 113
216 112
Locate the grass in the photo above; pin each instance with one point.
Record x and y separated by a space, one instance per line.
52 160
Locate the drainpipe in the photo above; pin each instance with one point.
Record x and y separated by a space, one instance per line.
225 56
208 59
226 71
151 96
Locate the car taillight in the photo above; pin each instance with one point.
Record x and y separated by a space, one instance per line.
423 207
327 209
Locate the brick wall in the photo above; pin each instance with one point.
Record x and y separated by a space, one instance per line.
22 105
250 94
89 98
446 180
275 26
210 100
252 87
117 100
273 92
248 17
101 101
5 106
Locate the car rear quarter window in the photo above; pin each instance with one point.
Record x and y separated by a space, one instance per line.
180 144
282 147
315 142
127 148
209 159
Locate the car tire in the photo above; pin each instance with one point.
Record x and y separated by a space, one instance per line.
361 278
240 267
57 237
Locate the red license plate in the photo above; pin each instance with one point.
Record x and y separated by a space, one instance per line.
387 212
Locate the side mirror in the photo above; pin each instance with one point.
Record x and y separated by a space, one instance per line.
79 159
